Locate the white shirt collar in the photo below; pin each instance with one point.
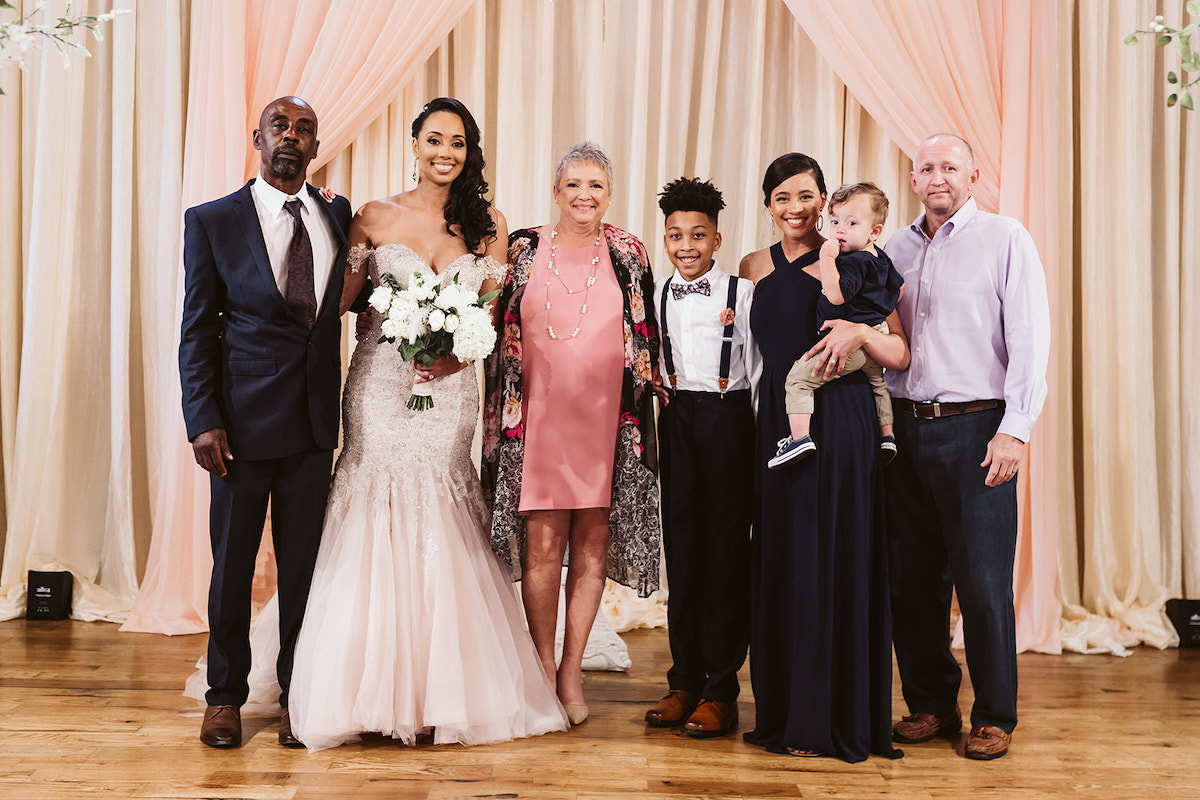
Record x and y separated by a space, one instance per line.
272 199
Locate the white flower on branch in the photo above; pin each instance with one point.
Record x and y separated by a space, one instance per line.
25 34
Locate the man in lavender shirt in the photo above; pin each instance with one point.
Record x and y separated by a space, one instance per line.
978 323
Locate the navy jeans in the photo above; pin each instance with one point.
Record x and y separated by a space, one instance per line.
947 529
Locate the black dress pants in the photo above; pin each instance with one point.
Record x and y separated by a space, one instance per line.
707 467
297 487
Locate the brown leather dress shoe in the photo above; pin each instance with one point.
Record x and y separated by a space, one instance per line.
987 742
286 737
712 718
917 728
222 726
674 709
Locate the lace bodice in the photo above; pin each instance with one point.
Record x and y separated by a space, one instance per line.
381 434
402 261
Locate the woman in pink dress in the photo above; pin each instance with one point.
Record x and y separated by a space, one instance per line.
569 439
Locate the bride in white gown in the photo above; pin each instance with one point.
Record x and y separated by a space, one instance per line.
411 625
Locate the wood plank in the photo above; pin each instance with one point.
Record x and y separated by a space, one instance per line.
86 711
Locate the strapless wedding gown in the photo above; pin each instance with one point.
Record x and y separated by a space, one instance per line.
412 627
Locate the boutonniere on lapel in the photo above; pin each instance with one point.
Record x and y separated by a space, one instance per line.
326 194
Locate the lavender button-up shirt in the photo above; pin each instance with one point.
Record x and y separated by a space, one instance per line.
976 314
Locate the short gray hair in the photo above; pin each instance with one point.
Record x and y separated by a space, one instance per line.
584 153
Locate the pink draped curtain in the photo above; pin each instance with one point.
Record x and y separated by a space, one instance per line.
348 59
926 66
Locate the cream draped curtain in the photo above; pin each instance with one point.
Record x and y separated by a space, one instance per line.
550 97
1135 391
971 68
1072 135
343 58
91 157
693 91
1095 499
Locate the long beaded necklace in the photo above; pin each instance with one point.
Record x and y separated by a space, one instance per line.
552 269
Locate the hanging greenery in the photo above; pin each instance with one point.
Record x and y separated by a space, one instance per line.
1179 84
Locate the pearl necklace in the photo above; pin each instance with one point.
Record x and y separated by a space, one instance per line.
552 269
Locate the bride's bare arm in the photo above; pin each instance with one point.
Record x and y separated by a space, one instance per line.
356 259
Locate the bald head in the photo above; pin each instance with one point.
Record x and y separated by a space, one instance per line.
280 103
950 138
287 138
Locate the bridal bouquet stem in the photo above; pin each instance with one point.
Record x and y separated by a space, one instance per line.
427 320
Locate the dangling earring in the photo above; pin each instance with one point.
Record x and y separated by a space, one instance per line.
820 221
414 170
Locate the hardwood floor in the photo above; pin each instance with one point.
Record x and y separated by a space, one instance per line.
86 711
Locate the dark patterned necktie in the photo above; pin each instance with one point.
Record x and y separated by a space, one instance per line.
701 286
301 294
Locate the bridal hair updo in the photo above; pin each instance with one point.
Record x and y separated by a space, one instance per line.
467 207
785 167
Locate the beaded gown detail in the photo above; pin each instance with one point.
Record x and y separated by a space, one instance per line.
412 626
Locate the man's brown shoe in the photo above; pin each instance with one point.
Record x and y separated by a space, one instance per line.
712 718
917 728
672 710
222 726
987 742
286 737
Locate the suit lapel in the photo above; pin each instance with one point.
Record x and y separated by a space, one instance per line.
333 288
247 216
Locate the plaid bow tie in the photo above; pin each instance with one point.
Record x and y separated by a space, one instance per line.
701 286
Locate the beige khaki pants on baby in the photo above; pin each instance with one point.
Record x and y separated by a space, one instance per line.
801 383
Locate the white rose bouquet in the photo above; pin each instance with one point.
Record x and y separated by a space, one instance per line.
431 320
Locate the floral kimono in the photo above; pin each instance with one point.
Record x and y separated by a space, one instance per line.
633 554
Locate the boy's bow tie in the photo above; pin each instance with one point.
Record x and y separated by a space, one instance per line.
701 286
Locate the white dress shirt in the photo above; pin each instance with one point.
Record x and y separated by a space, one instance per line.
976 314
694 324
278 226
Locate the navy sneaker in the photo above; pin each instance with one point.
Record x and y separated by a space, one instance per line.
887 450
791 450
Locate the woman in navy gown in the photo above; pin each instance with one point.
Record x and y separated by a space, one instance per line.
820 646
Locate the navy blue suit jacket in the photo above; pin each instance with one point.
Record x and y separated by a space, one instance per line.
245 362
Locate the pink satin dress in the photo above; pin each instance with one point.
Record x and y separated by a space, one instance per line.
571 390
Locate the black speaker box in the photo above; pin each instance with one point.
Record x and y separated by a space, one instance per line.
1185 616
48 595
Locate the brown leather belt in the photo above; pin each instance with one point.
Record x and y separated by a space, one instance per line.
938 410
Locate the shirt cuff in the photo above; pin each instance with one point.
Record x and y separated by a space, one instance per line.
1016 424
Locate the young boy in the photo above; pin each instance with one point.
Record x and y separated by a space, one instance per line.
858 283
706 446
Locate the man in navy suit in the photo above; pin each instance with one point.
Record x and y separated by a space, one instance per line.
260 364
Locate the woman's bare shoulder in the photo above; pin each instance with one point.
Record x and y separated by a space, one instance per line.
374 213
756 266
